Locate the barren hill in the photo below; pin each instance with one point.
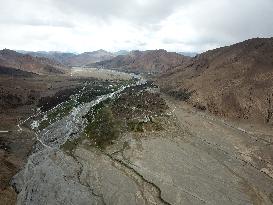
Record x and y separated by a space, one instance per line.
89 57
152 61
14 72
61 57
38 65
234 81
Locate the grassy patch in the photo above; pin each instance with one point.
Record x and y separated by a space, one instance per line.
127 113
92 91
102 127
135 126
141 126
70 146
182 94
88 93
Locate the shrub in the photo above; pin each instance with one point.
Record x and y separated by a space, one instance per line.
103 128
200 107
182 94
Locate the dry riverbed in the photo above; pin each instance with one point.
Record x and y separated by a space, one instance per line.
123 142
20 97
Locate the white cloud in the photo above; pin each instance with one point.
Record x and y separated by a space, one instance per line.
176 25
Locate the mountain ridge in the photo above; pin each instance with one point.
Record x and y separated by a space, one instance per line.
150 61
232 81
72 59
25 62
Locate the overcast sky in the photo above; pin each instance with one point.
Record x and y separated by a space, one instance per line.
174 25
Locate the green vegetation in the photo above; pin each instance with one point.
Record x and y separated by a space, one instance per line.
69 146
182 94
135 126
102 127
105 121
92 91
141 126
88 93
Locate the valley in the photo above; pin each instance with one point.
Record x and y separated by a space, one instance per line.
136 102
162 132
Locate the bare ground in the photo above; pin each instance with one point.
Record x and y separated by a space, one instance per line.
201 159
194 158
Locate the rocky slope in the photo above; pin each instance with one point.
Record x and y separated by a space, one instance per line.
153 61
38 65
5 71
234 81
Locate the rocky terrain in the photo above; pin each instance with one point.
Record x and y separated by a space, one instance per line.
153 62
233 81
38 65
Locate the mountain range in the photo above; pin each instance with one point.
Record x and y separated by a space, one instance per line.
86 58
72 59
233 81
151 61
25 62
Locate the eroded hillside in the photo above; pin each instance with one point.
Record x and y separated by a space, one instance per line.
234 81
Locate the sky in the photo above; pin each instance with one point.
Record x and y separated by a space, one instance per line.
174 25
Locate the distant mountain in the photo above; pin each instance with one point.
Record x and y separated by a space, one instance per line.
234 81
190 54
153 61
25 62
89 57
86 58
57 56
121 52
71 59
